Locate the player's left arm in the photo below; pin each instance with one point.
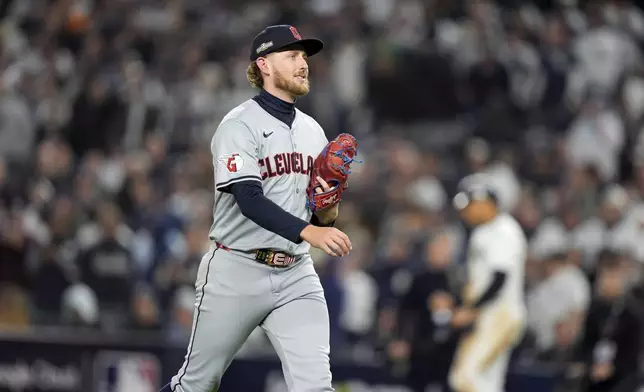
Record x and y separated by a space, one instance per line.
501 254
466 316
492 291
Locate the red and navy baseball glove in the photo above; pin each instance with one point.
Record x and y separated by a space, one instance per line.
333 165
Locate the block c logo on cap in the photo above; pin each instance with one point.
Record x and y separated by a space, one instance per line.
295 33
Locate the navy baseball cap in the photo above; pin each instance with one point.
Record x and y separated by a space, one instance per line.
274 38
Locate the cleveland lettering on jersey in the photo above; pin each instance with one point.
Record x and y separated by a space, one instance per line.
242 153
285 163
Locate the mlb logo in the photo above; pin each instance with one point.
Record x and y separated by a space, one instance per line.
126 372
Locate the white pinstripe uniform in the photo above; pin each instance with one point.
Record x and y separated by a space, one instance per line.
482 357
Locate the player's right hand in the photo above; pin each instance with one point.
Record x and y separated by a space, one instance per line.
329 239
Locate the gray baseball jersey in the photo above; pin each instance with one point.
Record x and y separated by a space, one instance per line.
250 144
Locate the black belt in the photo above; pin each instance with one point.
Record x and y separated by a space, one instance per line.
267 256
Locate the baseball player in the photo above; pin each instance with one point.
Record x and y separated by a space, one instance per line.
493 311
258 271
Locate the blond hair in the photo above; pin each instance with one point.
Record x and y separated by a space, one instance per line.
254 75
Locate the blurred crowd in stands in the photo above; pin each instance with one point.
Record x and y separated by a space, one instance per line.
107 108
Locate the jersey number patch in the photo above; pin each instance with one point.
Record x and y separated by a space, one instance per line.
234 162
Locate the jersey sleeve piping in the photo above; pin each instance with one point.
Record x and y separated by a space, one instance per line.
221 185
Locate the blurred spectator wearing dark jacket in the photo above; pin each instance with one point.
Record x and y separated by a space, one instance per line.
14 251
98 119
107 268
180 270
612 333
50 280
393 274
328 268
426 339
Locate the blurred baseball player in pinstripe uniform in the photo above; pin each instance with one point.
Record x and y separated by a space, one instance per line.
493 300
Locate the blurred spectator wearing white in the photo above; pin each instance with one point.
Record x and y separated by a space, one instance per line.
564 294
596 138
604 54
360 299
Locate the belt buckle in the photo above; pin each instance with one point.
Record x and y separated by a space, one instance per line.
275 259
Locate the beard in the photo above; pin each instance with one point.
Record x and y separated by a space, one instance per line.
293 86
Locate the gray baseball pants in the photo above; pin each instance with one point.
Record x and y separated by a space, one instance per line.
235 294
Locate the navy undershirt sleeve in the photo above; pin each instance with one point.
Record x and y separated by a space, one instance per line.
498 280
250 198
